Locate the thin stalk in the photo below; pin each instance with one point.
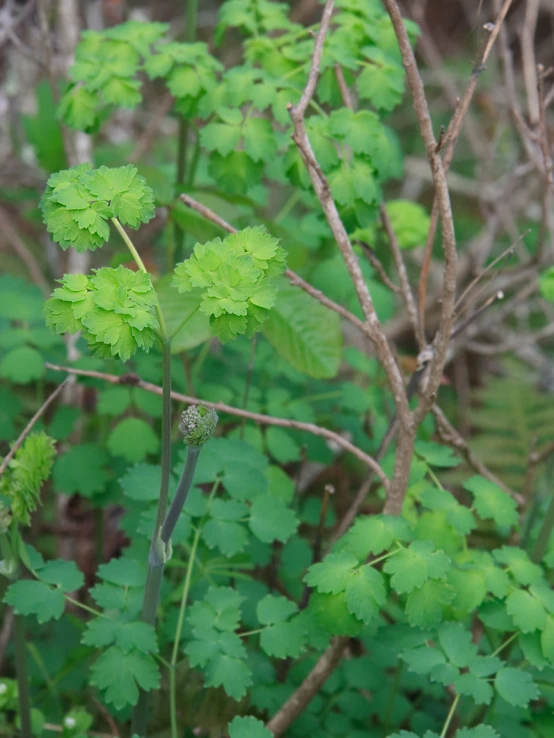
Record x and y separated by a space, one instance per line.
541 544
181 495
449 717
22 678
181 617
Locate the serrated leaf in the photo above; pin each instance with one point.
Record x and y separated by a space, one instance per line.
365 593
271 520
119 675
284 640
332 574
457 644
422 660
62 574
425 606
333 616
81 469
31 597
272 609
491 502
527 612
133 439
516 686
126 635
436 454
475 687
248 727
413 566
373 534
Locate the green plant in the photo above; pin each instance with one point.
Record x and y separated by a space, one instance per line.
230 601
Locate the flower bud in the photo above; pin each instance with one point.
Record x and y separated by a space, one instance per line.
197 424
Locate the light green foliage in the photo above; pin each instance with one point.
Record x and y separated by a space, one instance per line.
409 221
491 502
237 278
546 284
26 473
414 566
44 597
113 308
248 727
78 203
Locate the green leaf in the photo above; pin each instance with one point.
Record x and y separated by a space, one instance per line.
294 330
415 565
382 81
177 308
519 565
124 572
435 454
113 400
220 609
458 516
354 181
284 640
332 574
281 445
31 597
422 660
22 365
480 731
410 223
142 482
62 574
425 606
272 609
26 473
119 675
516 686
126 635
79 108
457 644
491 502
271 520
475 687
527 612
547 639
234 675
373 534
332 614
365 593
229 537
81 469
546 284
469 590
43 130
133 439
248 727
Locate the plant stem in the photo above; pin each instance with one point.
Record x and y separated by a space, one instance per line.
450 716
541 544
22 678
505 643
182 608
181 494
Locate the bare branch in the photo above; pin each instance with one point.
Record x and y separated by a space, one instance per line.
442 336
311 685
379 268
315 430
528 58
29 427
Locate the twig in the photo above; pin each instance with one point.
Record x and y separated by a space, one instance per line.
301 697
504 255
343 87
528 58
28 428
405 288
450 436
415 82
449 142
379 268
221 407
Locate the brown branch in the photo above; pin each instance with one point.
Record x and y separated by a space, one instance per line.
415 83
28 428
315 430
343 87
379 268
528 58
302 696
513 343
294 278
450 436
449 143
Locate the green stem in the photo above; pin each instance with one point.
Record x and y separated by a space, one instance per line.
182 610
449 717
22 678
541 544
507 642
181 495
